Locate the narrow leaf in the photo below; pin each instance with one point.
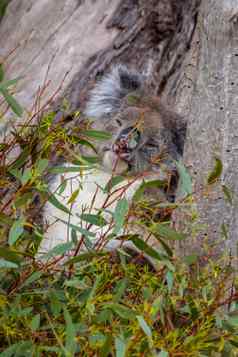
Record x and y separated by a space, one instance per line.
96 134
120 214
83 231
59 249
94 219
144 326
10 255
170 280
41 165
70 343
33 277
145 185
73 197
163 354
65 169
191 259
166 232
9 83
144 247
35 322
228 194
4 219
122 311
11 101
216 172
8 265
1 72
114 182
185 181
16 231
120 346
54 201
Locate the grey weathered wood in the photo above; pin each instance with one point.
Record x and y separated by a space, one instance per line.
213 121
196 73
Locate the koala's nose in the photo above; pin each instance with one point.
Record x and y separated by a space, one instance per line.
121 149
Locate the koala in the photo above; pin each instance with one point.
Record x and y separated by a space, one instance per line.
145 134
146 139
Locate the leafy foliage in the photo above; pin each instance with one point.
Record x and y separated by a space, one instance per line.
98 303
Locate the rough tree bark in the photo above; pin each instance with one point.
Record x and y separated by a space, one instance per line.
189 51
212 122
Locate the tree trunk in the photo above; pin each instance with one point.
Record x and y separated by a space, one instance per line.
195 72
213 125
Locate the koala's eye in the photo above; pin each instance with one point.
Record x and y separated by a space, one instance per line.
119 122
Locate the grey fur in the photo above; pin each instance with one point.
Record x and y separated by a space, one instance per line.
106 98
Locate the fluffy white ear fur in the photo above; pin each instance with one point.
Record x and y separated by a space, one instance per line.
87 184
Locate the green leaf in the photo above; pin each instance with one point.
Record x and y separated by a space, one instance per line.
16 231
185 181
191 259
27 175
144 247
120 290
85 143
224 230
228 194
11 101
96 134
33 277
145 185
55 202
85 256
91 159
73 197
4 219
1 72
70 340
65 169
10 255
35 322
9 83
122 311
120 214
170 280
41 165
144 326
23 199
21 160
114 181
216 172
19 349
83 231
233 321
59 249
120 346
164 245
163 354
94 219
8 265
166 232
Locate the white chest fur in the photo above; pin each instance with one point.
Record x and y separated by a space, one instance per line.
90 199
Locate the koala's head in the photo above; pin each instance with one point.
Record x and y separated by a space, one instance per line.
143 138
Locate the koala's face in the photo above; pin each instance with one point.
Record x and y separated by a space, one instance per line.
139 143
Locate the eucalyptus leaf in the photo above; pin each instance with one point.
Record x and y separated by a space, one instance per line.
16 231
120 213
11 101
185 181
216 172
96 134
